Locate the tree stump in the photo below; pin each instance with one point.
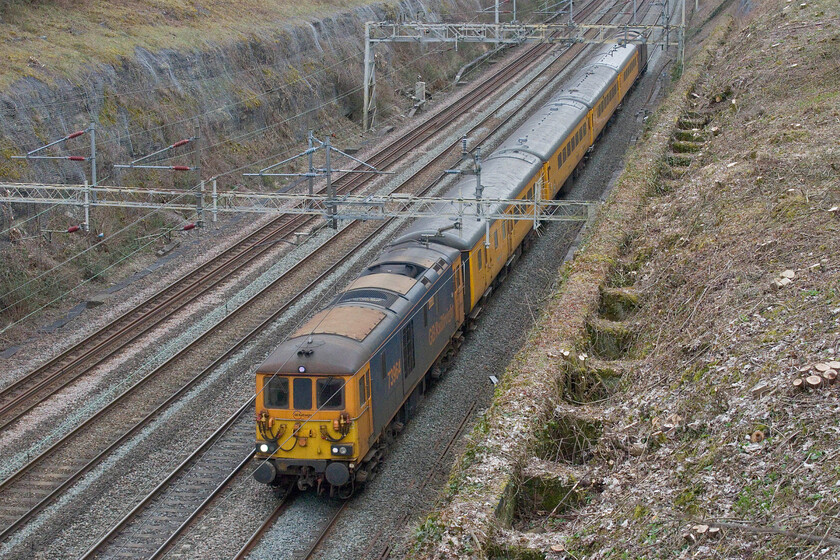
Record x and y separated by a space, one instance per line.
813 381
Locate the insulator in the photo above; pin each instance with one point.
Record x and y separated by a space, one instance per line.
189 227
76 158
75 134
181 167
72 229
180 143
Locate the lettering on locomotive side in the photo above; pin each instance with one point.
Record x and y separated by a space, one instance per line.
440 325
394 373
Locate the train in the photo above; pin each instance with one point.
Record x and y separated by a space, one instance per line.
331 397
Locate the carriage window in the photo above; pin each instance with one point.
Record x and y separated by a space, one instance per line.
330 393
276 392
303 393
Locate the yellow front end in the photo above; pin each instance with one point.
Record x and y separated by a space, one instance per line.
309 428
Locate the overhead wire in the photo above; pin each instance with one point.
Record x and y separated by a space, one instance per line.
189 192
247 135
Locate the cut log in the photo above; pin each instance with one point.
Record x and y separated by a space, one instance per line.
813 381
799 384
700 529
830 377
822 368
757 436
788 274
834 365
780 283
761 389
713 532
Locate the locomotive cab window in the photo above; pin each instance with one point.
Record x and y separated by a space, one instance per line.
330 393
302 393
276 392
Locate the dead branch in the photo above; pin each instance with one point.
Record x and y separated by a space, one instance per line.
775 531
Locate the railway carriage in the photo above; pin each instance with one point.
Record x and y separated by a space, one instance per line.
331 395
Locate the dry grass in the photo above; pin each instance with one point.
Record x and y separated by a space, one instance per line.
720 347
56 38
717 347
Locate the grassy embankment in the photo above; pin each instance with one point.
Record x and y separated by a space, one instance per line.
49 38
683 414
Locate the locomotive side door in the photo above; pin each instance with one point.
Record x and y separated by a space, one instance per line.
364 416
386 383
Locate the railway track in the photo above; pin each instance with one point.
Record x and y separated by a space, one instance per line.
21 396
186 494
261 530
435 468
143 506
37 484
42 487
51 483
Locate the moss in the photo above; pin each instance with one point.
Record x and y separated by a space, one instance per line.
609 339
687 500
677 160
618 303
541 495
684 147
509 552
568 438
10 169
109 111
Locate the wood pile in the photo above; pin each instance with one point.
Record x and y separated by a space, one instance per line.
822 374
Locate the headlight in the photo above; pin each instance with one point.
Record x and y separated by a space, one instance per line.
266 447
342 449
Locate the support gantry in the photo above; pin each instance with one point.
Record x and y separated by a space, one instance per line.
512 33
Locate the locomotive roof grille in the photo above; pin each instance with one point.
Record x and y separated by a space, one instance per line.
367 295
402 268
